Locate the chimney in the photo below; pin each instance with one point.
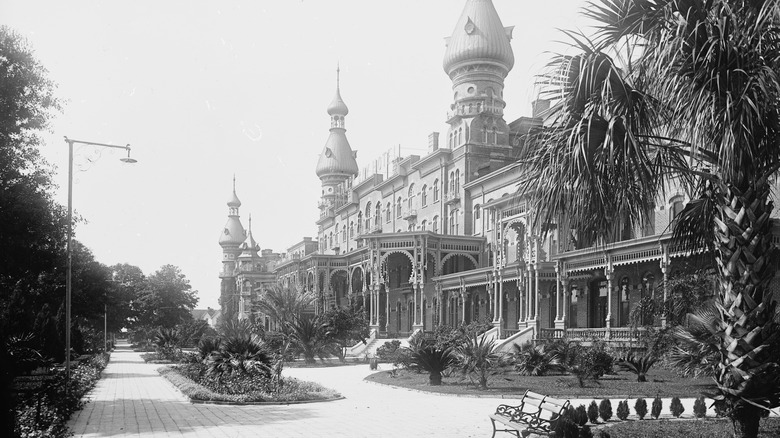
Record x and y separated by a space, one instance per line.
433 142
539 106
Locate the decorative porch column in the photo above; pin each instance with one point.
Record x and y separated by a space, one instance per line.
609 272
536 292
500 301
463 304
560 296
439 304
665 272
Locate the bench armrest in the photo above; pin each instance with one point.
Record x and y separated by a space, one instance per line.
514 413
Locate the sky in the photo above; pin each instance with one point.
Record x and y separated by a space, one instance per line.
205 90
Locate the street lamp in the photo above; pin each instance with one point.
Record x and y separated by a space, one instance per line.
69 269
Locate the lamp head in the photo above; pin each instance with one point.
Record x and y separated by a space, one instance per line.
127 159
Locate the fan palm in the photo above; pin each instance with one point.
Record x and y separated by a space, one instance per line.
308 336
476 356
680 92
284 304
433 360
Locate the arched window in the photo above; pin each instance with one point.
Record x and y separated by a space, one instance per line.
344 233
424 196
424 225
490 216
436 190
452 182
476 212
495 136
435 224
411 227
398 207
360 223
457 180
378 214
351 230
410 200
331 239
484 134
388 213
368 215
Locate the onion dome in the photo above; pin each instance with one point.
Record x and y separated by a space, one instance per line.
337 157
479 36
233 234
234 201
337 106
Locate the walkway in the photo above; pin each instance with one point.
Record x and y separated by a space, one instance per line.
133 400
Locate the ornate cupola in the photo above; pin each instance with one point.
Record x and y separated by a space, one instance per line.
249 248
337 162
233 234
478 58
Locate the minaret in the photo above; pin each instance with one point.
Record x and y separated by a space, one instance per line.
231 237
247 264
337 161
478 59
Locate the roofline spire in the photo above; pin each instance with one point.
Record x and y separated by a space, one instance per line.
234 183
338 76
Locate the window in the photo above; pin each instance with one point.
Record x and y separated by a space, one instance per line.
457 180
484 134
398 207
476 212
378 214
436 191
454 222
344 233
368 216
351 230
424 196
388 213
435 224
360 222
452 182
424 225
410 200
495 136
675 208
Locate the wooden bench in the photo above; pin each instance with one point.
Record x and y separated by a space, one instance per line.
537 413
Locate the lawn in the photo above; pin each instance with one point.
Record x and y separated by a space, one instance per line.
621 385
707 428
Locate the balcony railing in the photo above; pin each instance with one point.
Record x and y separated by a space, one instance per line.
451 197
410 213
623 334
473 110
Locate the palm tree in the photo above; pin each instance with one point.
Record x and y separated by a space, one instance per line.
309 337
679 92
284 304
476 355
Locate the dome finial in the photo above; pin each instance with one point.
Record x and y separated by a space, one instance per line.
337 106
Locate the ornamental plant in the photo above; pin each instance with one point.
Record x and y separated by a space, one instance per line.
622 410
580 415
640 407
699 408
605 410
657 406
593 412
676 407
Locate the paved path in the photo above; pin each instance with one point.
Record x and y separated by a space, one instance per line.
133 400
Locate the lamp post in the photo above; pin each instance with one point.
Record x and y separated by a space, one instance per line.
69 269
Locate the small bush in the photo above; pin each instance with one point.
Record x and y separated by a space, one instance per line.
605 410
622 410
593 412
388 351
676 407
592 364
640 407
580 415
700 408
655 411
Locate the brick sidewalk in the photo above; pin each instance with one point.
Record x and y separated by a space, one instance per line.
133 400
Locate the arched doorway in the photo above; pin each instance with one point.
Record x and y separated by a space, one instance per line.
339 288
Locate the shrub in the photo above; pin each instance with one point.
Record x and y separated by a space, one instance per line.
655 412
240 355
640 407
676 407
592 364
585 432
432 360
622 410
605 409
388 351
475 356
167 343
536 360
638 365
604 434
580 415
206 346
593 412
700 408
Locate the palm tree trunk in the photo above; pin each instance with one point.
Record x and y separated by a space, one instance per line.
743 252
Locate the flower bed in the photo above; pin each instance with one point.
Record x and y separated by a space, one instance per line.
193 381
44 408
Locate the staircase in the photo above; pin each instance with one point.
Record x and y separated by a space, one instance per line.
374 344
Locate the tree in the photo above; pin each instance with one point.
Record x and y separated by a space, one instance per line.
32 234
166 299
284 304
127 283
345 326
476 356
686 93
308 337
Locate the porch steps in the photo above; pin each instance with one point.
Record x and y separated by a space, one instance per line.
374 344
